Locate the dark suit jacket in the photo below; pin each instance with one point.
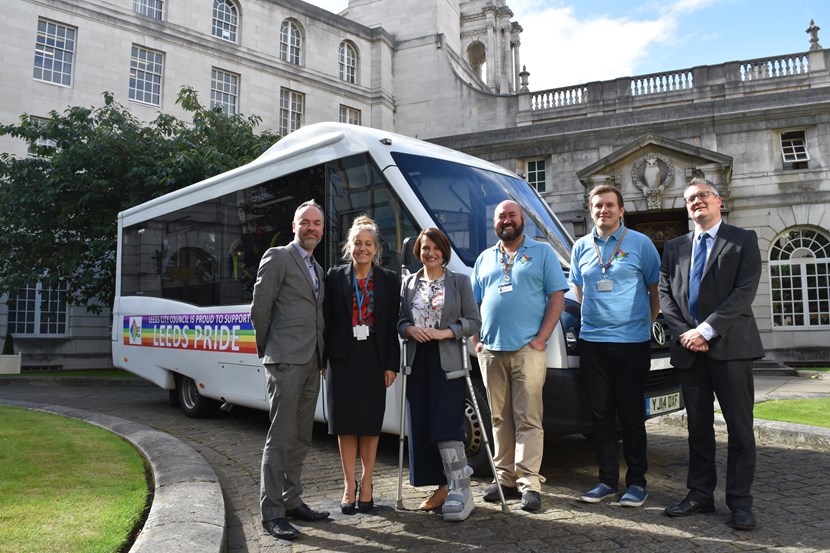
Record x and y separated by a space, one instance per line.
338 313
730 280
460 315
286 314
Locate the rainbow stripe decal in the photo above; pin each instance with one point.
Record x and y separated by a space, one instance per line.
220 332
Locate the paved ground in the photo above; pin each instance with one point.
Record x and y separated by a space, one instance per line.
791 488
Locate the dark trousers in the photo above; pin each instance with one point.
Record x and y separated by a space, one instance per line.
436 414
292 399
731 382
613 378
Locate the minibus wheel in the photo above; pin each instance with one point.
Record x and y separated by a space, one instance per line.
193 404
474 430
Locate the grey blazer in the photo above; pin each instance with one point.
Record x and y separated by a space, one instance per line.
286 315
727 289
460 315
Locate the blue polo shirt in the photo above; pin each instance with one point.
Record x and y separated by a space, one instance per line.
624 313
511 320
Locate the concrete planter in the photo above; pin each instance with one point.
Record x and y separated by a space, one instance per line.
10 364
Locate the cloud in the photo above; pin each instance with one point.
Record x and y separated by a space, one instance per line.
561 50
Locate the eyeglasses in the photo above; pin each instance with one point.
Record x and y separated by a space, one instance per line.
703 196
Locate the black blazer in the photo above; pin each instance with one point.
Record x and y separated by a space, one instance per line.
727 290
337 308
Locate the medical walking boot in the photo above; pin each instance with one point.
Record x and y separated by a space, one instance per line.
459 503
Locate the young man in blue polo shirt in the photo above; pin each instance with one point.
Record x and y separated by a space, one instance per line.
520 288
614 272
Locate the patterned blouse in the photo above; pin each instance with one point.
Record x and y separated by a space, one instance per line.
428 303
367 306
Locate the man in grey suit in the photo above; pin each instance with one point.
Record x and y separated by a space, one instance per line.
708 281
287 314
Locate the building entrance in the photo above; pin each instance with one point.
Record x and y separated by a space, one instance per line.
660 226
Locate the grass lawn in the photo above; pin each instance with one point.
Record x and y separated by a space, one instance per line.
66 485
814 412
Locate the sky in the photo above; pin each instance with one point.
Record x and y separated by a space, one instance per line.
572 42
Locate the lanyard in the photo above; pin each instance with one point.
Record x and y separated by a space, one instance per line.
359 295
608 263
507 262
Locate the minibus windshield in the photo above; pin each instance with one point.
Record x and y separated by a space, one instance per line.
463 199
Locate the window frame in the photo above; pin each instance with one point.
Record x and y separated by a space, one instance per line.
292 110
225 21
347 115
39 122
146 67
796 257
222 89
794 152
531 173
348 62
154 11
291 42
37 313
58 49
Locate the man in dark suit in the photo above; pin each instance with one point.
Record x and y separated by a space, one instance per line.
287 315
708 281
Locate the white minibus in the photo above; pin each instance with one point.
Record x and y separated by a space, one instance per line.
187 263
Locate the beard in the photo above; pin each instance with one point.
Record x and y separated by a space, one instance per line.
510 233
308 241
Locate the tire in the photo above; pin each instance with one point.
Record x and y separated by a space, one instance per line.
474 430
193 404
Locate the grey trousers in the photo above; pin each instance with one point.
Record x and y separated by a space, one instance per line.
292 396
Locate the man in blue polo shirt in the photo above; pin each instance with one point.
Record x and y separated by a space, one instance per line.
520 288
614 272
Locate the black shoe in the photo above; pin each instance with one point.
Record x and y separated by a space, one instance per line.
350 508
365 506
742 519
280 529
491 494
688 507
304 512
531 501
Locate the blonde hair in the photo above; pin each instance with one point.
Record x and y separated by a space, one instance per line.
359 225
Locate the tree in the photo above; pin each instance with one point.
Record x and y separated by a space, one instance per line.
58 208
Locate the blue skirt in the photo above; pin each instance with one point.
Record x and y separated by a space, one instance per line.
436 414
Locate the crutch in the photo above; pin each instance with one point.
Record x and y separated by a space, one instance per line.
465 355
405 370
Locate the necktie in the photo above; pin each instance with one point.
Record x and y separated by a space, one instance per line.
696 273
309 263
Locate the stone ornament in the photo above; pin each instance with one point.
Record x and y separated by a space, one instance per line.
652 174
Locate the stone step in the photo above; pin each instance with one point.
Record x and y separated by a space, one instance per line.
773 368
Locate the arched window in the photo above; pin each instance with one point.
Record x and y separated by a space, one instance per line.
477 58
225 20
348 62
290 42
799 264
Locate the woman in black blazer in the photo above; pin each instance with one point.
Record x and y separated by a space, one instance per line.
363 354
437 310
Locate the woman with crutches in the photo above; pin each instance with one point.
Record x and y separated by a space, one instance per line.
437 310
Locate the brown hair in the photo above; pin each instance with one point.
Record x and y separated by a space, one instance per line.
604 189
436 236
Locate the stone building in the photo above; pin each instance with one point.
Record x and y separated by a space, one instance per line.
450 71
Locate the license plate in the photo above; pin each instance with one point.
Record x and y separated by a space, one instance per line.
662 404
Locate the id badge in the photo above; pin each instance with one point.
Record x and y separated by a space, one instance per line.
605 285
360 332
505 288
